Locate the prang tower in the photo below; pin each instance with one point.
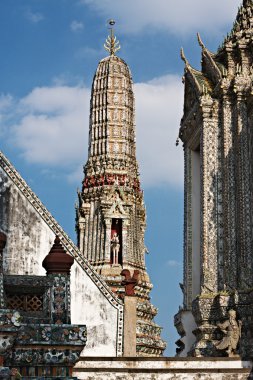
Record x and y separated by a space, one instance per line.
217 133
111 216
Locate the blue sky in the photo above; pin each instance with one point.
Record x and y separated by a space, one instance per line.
49 53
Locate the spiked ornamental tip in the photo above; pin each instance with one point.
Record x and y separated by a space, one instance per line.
111 43
182 55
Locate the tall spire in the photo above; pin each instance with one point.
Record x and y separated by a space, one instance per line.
111 216
111 43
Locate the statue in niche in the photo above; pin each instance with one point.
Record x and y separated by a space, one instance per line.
232 333
115 245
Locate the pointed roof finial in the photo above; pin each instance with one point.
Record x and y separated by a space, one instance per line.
183 57
111 43
201 44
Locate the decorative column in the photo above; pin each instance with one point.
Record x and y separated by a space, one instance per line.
58 264
187 287
229 190
89 252
83 228
81 236
244 248
86 235
209 189
211 240
130 317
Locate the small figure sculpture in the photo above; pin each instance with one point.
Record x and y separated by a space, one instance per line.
115 248
232 330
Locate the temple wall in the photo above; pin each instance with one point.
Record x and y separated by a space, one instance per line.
29 240
89 306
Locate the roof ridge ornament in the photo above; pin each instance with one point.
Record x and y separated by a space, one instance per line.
182 55
201 43
111 43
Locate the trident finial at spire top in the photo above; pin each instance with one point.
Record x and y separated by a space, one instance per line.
111 43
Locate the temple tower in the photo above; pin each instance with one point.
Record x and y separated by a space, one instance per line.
217 134
111 215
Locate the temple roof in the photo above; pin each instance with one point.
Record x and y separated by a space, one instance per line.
200 81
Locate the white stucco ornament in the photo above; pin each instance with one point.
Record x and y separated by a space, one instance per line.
16 319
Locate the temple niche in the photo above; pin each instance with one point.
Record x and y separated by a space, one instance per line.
216 131
116 242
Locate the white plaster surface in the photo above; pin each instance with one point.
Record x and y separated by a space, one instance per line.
90 307
163 369
28 237
163 363
29 240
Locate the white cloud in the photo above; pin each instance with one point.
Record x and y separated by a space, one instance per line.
181 16
159 106
34 17
76 26
173 263
5 101
51 128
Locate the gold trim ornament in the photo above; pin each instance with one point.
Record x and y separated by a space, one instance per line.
111 43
